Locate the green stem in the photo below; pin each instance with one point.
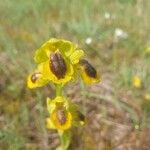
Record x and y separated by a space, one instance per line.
62 142
65 138
58 90
82 85
83 93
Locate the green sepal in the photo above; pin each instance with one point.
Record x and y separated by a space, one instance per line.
40 56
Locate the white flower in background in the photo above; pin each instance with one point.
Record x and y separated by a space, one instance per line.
107 15
88 40
120 34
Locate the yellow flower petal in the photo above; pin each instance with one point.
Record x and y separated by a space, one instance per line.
87 79
52 104
75 57
88 73
66 47
40 56
49 124
36 78
52 45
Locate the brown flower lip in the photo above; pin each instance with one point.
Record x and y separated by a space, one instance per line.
35 76
89 69
61 116
58 65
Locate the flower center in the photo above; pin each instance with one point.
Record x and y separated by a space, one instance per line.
58 65
61 116
89 69
35 77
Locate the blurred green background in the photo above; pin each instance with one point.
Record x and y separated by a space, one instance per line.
115 35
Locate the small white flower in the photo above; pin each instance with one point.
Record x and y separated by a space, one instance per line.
88 40
120 34
107 15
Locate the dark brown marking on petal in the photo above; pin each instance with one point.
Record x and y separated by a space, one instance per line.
81 116
58 65
35 77
61 116
89 69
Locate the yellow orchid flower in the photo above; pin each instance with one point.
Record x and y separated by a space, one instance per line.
137 83
58 58
36 79
147 50
63 114
147 97
60 61
88 72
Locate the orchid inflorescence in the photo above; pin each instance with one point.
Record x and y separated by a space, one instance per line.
59 62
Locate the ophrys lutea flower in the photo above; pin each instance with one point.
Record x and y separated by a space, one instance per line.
88 73
137 82
36 79
63 114
58 58
59 62
147 97
147 50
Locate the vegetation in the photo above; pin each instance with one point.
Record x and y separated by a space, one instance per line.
114 35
